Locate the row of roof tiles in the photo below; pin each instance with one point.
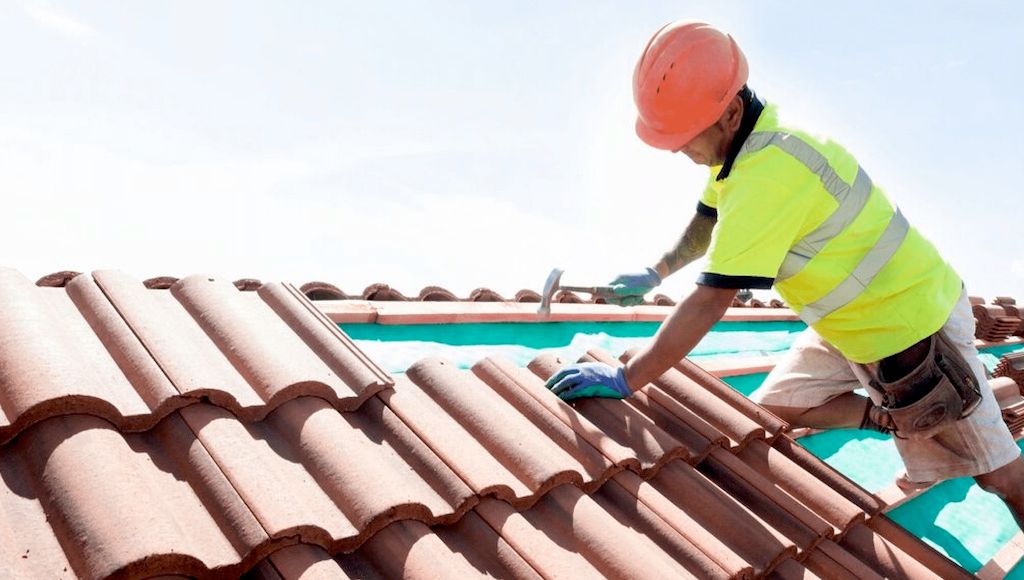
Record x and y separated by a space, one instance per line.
107 346
317 290
204 431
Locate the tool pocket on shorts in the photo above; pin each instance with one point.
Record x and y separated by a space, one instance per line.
940 391
939 408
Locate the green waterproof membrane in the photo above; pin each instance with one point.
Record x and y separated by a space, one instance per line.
397 347
961 520
958 518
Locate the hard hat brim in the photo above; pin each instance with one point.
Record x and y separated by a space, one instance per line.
659 140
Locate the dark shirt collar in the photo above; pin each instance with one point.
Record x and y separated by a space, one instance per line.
751 112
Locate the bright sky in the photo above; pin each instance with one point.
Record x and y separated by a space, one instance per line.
467 144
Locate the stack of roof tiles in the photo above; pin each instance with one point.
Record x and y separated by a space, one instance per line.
1010 306
1011 403
1011 365
993 324
205 431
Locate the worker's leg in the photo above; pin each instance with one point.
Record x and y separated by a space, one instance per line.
1007 482
979 445
813 387
846 411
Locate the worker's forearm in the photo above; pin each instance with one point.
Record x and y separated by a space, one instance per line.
681 331
691 246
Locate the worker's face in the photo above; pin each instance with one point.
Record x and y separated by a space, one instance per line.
712 145
708 148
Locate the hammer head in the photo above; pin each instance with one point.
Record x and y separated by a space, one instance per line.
550 287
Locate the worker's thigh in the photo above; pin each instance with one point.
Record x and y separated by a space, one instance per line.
811 374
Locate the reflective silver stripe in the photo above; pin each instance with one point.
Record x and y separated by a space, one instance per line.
863 274
851 198
851 201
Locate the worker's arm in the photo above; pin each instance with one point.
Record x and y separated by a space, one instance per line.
682 330
629 289
691 246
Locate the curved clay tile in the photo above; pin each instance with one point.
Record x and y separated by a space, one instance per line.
57 279
437 294
160 282
485 295
755 303
248 284
1011 365
322 291
737 303
383 292
976 300
776 303
1004 300
662 300
993 324
567 297
527 296
1012 310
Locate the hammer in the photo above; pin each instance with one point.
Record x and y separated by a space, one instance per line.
553 284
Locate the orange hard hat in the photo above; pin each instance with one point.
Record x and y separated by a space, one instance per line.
683 82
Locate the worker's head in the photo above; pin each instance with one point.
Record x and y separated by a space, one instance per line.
686 86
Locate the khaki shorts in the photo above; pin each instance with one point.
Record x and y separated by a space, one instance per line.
814 372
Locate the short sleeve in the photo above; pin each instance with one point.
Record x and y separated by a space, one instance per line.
708 204
759 220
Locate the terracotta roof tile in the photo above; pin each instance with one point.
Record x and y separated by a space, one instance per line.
894 553
675 389
1012 365
160 283
323 291
528 296
640 425
662 300
385 473
485 295
137 504
317 290
829 560
383 292
132 355
454 412
460 472
993 324
248 284
567 297
437 294
789 477
57 279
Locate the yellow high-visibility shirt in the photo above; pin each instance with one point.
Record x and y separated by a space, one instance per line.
799 212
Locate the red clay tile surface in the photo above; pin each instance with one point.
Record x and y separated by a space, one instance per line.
207 431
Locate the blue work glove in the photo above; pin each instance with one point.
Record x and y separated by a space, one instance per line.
580 380
629 289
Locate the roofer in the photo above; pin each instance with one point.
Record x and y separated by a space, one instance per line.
783 208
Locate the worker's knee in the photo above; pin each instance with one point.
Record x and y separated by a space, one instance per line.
791 415
1005 482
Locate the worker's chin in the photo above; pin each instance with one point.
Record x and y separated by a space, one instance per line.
697 158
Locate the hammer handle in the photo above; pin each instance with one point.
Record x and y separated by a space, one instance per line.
597 290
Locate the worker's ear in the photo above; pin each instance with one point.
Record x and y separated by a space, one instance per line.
733 115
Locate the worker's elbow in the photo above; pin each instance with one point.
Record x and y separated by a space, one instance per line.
718 299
